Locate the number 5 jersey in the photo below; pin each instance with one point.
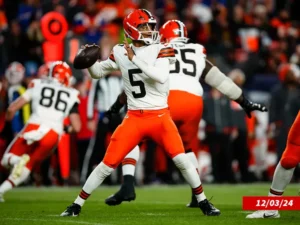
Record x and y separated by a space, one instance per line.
51 102
142 91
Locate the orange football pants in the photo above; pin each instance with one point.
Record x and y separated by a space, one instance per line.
291 155
38 151
186 111
138 125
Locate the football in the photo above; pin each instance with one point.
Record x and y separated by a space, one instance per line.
86 57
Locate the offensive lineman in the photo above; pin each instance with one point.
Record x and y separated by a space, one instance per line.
285 168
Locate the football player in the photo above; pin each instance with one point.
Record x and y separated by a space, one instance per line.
52 100
145 70
185 101
289 161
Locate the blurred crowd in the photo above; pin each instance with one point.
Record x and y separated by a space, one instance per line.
255 42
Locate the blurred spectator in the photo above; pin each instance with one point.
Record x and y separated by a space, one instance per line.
90 22
236 22
15 44
218 36
285 104
196 30
240 134
3 21
219 125
201 11
14 75
27 12
74 7
295 58
35 39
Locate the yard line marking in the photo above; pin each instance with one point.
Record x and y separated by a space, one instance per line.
153 214
63 221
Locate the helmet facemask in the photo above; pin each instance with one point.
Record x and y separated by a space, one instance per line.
148 34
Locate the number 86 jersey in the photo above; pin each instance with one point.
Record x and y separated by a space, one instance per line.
51 102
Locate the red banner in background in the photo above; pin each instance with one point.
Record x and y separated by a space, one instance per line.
271 203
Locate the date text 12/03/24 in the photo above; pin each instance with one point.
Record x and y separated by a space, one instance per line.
271 203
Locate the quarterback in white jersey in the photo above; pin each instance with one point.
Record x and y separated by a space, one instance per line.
51 100
145 69
185 101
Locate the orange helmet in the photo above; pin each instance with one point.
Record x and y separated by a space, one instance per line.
61 71
136 18
173 30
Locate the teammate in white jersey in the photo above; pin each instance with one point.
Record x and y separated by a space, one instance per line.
145 71
52 100
185 101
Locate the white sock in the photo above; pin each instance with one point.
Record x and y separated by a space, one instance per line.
9 160
94 180
129 162
6 186
281 179
192 157
11 182
190 174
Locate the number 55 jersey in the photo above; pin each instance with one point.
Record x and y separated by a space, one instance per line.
185 98
51 102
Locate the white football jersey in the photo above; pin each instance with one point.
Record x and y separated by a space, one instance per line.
186 72
142 92
51 102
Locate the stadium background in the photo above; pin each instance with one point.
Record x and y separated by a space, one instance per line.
256 39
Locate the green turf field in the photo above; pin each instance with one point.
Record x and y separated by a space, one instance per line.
154 205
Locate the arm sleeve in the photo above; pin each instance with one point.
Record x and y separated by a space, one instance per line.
91 99
159 72
222 83
74 108
101 69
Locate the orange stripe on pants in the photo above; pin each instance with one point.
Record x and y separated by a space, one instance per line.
140 124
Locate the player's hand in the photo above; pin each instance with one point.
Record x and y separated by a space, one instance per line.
129 50
249 106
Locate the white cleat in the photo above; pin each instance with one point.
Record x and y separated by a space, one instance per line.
18 168
263 214
1 198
